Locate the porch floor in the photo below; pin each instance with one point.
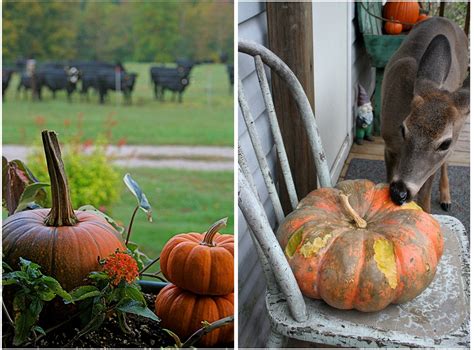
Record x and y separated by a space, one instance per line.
374 150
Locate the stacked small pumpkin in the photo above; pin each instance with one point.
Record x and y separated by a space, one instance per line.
402 15
200 268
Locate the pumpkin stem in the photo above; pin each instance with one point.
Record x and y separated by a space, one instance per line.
360 223
212 230
62 213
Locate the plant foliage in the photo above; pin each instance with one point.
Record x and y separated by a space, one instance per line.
34 290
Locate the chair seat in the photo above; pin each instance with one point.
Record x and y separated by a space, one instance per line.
437 317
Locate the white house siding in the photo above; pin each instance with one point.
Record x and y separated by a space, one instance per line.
254 325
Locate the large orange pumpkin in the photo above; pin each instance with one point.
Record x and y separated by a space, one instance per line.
403 11
183 313
354 248
67 244
200 263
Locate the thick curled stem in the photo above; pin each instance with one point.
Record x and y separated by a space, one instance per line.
211 232
360 223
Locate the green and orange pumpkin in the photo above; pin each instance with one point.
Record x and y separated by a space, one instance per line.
67 244
354 248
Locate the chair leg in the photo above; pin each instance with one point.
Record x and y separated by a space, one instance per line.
276 340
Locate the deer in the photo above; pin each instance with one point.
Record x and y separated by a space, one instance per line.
425 103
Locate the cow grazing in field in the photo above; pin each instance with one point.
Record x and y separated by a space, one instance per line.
107 80
6 77
173 79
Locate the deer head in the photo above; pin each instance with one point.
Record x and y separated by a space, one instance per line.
431 129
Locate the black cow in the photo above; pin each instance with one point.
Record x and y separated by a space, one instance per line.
173 79
24 83
107 80
230 73
185 63
6 77
56 78
89 73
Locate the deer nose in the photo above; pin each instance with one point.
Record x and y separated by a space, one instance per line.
399 192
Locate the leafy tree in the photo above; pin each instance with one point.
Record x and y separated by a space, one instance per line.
117 30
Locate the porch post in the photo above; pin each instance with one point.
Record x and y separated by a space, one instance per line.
290 36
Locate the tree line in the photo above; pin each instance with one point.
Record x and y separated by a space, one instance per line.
117 30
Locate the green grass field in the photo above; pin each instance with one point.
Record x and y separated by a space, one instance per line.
204 118
182 201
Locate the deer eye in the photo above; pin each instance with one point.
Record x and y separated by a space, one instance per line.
445 145
402 130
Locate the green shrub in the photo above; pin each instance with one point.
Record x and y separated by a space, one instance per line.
92 178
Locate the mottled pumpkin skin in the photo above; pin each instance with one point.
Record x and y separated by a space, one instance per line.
198 268
183 312
67 253
341 264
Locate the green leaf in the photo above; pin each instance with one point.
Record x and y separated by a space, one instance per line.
9 281
133 186
93 210
141 258
56 287
98 276
26 264
135 307
33 192
39 330
25 319
47 295
36 305
134 293
84 292
5 266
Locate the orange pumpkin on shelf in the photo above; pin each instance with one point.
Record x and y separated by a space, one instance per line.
393 28
403 11
65 243
422 18
183 313
354 248
200 263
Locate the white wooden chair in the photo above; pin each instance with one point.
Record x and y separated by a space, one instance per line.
439 317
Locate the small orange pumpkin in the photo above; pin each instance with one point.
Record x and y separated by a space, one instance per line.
67 244
200 263
403 11
354 248
393 28
183 313
422 18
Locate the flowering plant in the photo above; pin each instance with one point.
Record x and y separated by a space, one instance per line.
114 292
121 266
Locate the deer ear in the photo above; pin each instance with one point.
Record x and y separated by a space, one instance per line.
462 100
435 63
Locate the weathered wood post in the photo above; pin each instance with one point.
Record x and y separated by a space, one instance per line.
290 36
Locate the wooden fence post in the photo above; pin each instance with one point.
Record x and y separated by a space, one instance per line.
290 36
